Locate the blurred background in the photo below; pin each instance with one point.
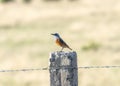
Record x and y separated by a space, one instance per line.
90 27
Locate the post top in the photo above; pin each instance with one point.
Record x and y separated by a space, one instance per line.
62 54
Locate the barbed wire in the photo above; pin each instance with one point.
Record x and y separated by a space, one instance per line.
24 70
51 68
95 67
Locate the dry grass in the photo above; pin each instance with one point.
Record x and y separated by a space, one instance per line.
25 40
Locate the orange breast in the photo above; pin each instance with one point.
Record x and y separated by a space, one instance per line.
58 42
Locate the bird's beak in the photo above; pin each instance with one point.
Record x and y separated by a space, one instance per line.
52 34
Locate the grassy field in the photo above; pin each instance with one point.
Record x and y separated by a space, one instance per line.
90 27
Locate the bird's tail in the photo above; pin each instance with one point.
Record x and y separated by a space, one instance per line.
69 48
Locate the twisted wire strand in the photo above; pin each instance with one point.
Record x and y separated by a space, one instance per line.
51 68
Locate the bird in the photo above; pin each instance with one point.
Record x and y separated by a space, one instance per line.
60 42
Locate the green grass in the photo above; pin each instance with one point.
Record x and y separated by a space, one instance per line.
5 1
91 46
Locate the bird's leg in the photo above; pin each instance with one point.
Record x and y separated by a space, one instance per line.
62 48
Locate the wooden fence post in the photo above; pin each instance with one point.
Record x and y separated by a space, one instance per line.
63 69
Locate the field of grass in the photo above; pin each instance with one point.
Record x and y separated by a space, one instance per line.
90 27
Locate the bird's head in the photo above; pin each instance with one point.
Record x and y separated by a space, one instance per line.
56 35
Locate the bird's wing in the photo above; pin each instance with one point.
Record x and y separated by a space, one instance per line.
65 45
61 40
